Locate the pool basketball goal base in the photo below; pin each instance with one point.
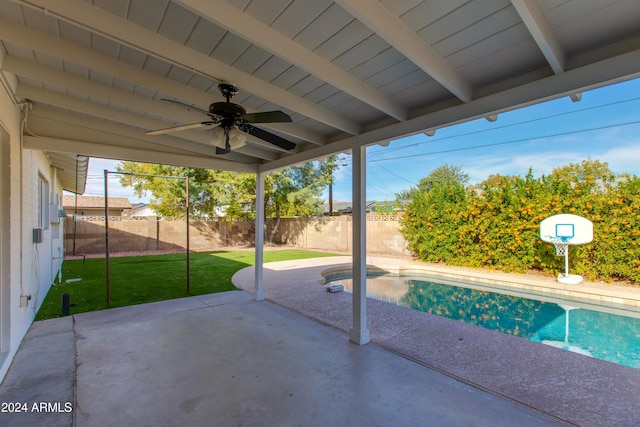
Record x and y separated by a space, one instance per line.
564 230
569 279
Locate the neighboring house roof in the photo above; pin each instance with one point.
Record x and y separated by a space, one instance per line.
140 209
346 207
87 202
338 205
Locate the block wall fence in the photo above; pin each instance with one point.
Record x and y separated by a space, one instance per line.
156 234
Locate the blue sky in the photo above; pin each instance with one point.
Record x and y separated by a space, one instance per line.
604 125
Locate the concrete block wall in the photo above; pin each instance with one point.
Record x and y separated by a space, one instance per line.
334 234
153 234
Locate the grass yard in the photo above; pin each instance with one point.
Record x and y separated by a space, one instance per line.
143 279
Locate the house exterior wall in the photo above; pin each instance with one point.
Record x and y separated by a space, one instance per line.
12 323
41 261
26 268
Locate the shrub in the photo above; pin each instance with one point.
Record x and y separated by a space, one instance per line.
497 225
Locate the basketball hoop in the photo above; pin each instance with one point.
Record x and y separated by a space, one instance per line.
563 230
561 246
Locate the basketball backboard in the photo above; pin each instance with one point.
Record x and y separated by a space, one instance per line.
569 228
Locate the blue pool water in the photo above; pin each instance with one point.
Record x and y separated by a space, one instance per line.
600 334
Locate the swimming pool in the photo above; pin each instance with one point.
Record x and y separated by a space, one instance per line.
600 334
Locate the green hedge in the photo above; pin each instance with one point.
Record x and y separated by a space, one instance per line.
497 225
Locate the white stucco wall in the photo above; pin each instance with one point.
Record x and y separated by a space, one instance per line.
40 262
25 268
10 238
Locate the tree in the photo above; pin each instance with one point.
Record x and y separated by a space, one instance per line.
444 174
295 191
494 180
587 172
211 192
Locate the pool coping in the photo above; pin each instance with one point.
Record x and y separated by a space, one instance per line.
615 299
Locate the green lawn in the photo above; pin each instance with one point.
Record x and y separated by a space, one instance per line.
143 279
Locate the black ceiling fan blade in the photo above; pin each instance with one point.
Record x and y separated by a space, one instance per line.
187 106
267 117
178 128
268 136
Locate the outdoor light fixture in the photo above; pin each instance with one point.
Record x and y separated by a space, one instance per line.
217 137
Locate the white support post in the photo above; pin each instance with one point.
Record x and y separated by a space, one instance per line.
359 332
258 294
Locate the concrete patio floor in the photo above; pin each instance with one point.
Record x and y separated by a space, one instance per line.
224 359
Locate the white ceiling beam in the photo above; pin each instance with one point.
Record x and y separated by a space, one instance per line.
48 123
7 81
73 124
603 73
110 26
193 141
56 77
22 36
118 117
131 154
538 25
233 19
76 83
113 121
51 122
375 16
70 125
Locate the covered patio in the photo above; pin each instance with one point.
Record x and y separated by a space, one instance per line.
90 78
223 359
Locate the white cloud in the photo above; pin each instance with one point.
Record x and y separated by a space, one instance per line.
622 159
479 168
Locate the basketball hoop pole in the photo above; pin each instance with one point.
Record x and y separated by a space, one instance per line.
566 262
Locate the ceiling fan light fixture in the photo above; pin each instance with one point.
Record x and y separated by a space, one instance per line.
217 138
236 138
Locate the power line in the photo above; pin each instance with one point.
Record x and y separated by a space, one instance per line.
392 173
452 150
432 140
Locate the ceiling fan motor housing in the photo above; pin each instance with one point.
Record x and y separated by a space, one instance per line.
226 109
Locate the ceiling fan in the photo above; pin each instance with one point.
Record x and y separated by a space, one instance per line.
230 120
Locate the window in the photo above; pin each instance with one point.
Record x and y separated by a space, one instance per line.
43 202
